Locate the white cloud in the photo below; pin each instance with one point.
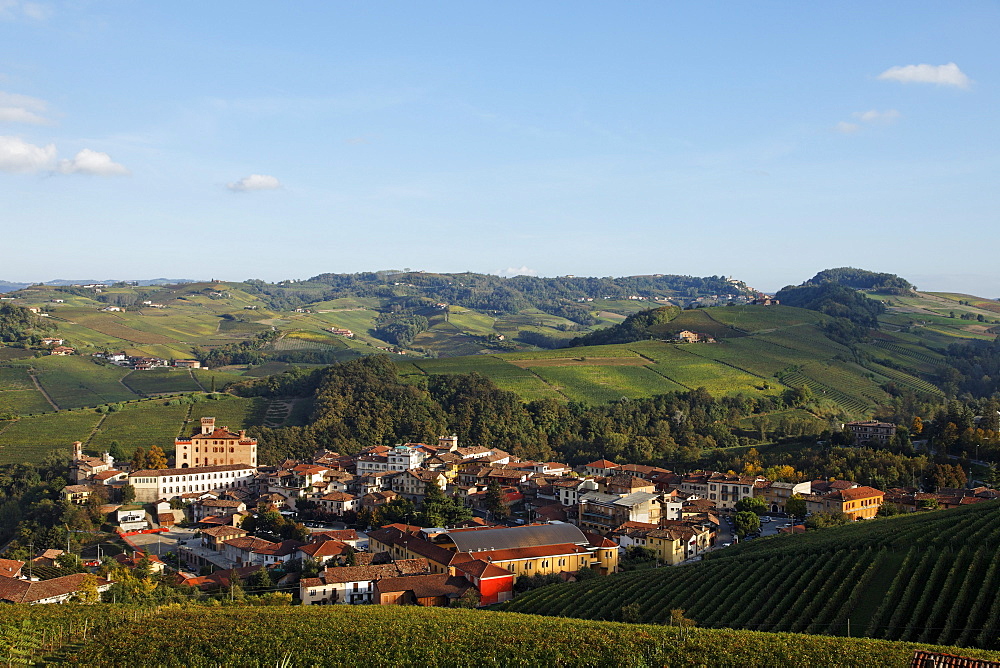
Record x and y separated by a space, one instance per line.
942 75
846 128
254 182
516 271
17 155
16 108
92 162
16 9
875 116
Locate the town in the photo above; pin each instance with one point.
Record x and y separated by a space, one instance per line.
431 524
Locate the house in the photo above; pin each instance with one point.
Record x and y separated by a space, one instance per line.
323 551
62 350
338 503
250 551
47 558
494 584
215 537
10 568
600 512
412 484
52 342
354 585
131 518
871 431
432 590
56 590
685 336
203 508
187 364
215 446
858 503
77 494
776 494
134 560
341 332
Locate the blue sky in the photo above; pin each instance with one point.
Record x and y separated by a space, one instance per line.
763 140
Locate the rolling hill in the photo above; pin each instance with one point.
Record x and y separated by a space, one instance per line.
926 577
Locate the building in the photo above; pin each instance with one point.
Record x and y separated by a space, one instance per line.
214 446
355 585
56 590
858 503
155 484
871 431
187 364
776 494
427 590
600 512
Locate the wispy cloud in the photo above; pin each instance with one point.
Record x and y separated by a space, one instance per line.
16 108
93 163
17 155
876 116
846 128
516 271
11 10
942 75
254 182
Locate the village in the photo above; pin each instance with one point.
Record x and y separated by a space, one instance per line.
218 517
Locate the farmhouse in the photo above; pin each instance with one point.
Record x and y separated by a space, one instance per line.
871 430
56 590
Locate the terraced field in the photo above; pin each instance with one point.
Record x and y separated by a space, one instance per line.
161 381
76 382
929 577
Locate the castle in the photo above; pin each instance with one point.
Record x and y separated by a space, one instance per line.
214 446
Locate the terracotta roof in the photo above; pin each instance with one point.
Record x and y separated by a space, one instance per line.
483 570
250 543
23 591
374 571
856 493
337 496
221 503
10 567
326 548
334 534
425 586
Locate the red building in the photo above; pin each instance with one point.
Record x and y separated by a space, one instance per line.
495 584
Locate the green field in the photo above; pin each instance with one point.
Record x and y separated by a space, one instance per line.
161 381
928 577
29 439
75 382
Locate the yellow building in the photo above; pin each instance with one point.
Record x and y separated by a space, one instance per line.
858 503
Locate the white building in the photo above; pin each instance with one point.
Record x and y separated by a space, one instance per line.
155 484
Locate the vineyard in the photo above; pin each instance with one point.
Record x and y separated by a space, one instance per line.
930 577
398 636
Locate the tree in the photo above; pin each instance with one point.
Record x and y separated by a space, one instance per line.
469 599
259 581
630 613
128 493
156 459
825 520
117 451
87 593
796 506
494 501
349 558
752 504
917 427
682 623
139 460
747 522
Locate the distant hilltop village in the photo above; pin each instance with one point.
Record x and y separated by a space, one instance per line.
577 522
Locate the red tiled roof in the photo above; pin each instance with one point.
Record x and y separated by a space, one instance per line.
483 570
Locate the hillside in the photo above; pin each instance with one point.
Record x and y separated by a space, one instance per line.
764 350
928 578
411 636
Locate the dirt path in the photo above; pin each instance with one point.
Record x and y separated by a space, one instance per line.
196 381
45 394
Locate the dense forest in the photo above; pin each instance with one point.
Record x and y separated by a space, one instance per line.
365 402
487 292
18 325
633 328
861 279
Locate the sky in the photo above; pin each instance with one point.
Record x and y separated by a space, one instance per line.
764 140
